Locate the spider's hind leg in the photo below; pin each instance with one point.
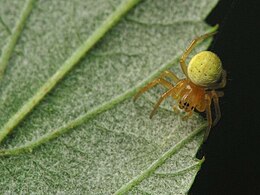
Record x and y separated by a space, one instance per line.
216 107
222 83
209 117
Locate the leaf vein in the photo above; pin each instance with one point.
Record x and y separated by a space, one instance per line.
5 26
9 47
161 160
180 171
135 20
83 118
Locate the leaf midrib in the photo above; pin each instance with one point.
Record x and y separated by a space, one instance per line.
111 20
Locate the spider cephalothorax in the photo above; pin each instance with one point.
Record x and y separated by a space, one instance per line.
203 76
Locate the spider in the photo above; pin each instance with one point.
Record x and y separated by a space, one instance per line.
204 76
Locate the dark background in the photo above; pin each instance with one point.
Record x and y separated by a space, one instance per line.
232 152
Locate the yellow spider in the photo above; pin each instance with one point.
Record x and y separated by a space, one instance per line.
203 76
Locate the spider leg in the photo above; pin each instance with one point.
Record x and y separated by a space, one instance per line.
185 117
219 93
171 75
163 97
209 117
222 83
176 110
160 80
189 49
152 84
216 107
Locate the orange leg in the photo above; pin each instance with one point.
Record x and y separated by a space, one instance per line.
185 117
163 97
171 75
190 48
216 107
160 80
152 84
209 117
176 109
219 93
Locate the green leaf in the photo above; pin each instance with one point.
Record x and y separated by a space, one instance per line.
111 146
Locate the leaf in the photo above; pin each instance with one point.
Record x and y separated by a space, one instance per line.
112 146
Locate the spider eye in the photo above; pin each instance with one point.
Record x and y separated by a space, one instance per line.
186 104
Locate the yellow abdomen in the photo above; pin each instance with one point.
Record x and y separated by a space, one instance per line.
205 68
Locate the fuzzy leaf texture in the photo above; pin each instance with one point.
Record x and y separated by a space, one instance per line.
110 145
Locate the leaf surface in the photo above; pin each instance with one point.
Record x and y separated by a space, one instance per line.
114 147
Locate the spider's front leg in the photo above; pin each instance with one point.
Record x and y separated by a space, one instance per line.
186 116
190 48
161 81
163 97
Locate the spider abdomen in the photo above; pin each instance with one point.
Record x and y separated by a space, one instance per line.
205 68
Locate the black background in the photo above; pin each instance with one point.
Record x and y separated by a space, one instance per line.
232 164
